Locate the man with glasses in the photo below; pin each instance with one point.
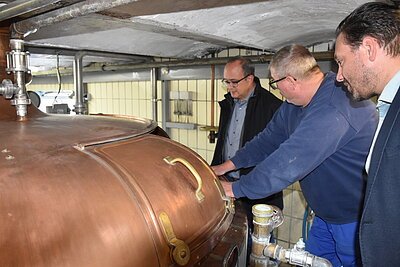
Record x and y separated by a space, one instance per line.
368 54
320 137
245 111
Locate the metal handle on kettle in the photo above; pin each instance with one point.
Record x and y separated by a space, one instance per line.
199 194
229 201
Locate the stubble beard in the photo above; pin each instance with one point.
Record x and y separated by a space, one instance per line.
365 88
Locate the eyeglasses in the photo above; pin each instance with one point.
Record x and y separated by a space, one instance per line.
233 83
273 83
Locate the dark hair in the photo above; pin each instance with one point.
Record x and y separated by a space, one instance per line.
376 19
248 69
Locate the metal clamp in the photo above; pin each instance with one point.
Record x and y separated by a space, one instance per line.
229 201
17 61
199 194
180 252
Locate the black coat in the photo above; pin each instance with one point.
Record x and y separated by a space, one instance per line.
380 222
260 109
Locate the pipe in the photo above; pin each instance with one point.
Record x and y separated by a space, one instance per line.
209 61
213 129
17 63
265 219
153 81
307 221
165 116
21 7
296 256
186 63
64 14
212 93
40 49
80 107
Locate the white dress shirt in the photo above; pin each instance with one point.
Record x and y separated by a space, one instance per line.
384 101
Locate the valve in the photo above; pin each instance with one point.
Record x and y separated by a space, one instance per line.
297 255
267 218
8 89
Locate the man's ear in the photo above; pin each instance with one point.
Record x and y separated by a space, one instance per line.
371 47
291 79
251 77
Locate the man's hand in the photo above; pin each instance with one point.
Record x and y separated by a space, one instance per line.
227 188
223 168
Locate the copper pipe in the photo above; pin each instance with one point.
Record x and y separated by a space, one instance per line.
212 93
212 128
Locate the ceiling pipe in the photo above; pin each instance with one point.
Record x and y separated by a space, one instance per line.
182 63
80 106
38 49
21 7
113 55
201 62
63 14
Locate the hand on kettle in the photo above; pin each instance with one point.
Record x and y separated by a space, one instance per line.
223 168
227 188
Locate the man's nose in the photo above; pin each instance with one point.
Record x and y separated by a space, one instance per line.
339 75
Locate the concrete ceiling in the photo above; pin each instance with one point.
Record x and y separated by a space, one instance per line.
182 29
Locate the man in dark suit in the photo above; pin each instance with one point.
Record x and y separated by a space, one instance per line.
245 111
368 54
